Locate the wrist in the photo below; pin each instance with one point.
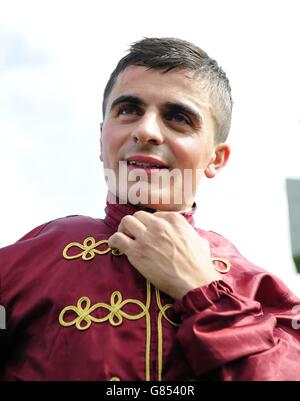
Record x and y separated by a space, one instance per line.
198 282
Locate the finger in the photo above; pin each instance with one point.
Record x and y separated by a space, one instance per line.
165 214
144 217
171 217
120 241
131 226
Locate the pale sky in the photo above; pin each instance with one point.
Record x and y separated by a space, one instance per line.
55 59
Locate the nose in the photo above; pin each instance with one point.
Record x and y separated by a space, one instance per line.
148 130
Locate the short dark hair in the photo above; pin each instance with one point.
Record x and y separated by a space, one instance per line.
169 53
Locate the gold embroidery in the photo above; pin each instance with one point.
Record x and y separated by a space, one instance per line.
115 379
89 250
114 316
162 313
226 263
148 331
83 310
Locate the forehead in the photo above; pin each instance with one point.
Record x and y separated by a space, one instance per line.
156 86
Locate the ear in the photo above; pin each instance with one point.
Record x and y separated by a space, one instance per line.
101 156
218 160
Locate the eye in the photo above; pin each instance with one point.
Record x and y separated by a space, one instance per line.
128 109
178 118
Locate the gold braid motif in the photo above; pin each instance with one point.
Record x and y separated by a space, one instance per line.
89 249
115 316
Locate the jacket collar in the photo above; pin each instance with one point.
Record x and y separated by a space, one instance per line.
115 211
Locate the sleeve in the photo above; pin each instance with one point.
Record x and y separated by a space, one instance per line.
8 255
225 332
3 329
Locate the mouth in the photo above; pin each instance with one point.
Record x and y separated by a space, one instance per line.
145 163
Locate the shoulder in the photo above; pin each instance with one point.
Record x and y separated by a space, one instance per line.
44 245
222 247
61 229
65 224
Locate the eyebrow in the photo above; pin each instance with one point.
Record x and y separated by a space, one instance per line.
127 99
181 107
173 106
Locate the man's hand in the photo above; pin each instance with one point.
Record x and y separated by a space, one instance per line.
166 250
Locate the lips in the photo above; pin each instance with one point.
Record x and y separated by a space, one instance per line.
145 162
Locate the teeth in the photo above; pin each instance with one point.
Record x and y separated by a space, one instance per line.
133 163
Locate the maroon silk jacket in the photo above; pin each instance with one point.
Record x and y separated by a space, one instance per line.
75 310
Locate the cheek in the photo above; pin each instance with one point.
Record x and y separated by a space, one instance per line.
190 153
111 143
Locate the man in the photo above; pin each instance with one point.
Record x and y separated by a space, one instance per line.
143 294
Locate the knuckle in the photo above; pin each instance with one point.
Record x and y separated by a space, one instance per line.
173 217
112 240
125 222
115 237
138 253
159 225
139 213
126 219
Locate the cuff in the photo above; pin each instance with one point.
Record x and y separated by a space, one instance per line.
201 298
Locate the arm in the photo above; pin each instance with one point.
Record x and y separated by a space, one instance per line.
225 331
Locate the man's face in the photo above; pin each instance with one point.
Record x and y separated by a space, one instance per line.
156 122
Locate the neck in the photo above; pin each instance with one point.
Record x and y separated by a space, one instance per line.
113 199
116 210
